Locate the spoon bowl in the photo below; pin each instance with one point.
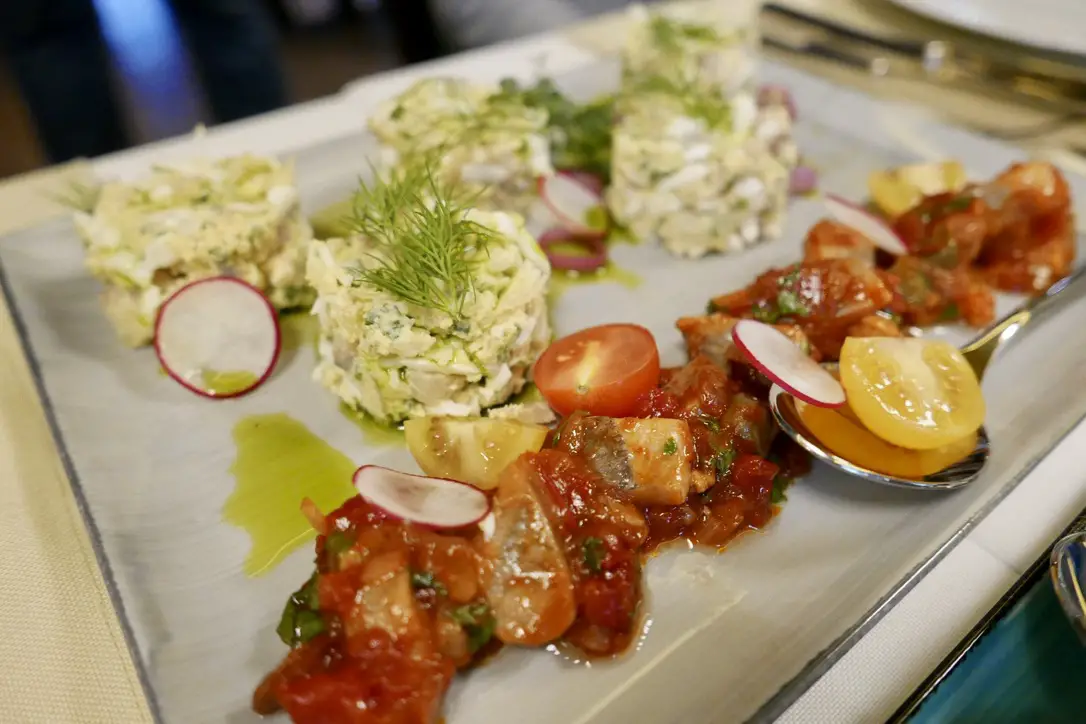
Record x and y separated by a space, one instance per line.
978 353
957 475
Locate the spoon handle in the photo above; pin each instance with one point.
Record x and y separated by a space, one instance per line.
979 352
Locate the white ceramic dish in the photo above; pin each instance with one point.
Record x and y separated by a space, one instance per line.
1054 25
733 637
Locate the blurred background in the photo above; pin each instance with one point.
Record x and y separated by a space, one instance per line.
324 44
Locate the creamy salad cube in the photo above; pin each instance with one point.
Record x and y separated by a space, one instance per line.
490 142
709 47
394 359
700 174
238 216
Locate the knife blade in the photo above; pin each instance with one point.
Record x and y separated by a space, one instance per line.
1040 80
886 57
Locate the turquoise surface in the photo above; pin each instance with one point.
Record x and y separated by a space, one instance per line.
1030 668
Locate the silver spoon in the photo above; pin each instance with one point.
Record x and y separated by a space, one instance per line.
979 353
1067 565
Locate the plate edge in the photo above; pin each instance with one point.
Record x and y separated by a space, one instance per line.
821 663
76 488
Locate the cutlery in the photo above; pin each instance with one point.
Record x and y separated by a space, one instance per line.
1043 82
979 354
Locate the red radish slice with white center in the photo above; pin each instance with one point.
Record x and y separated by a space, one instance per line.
782 361
591 181
595 256
777 95
803 180
863 221
571 201
432 502
218 330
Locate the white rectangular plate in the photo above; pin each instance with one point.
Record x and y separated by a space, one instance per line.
733 637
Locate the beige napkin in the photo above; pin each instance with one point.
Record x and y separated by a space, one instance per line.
66 658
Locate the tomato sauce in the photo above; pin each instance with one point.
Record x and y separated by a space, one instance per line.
732 430
377 634
603 534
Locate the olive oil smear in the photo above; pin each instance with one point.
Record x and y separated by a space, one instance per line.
280 461
226 383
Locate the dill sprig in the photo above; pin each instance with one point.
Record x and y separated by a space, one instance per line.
422 238
78 196
670 33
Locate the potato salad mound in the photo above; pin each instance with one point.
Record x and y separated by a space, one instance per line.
491 142
235 216
698 164
710 47
431 307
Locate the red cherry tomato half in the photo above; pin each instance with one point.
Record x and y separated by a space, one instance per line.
601 370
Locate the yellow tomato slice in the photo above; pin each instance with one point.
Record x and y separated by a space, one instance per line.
472 450
914 393
897 190
843 434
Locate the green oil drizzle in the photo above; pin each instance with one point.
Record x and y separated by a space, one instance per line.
563 280
334 220
279 462
226 383
298 329
622 235
373 432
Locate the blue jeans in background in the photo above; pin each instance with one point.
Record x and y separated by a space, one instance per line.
61 65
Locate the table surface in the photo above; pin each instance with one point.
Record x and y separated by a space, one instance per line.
67 659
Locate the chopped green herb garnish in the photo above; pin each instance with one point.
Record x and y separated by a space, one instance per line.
671 447
593 552
789 280
951 206
338 541
710 423
580 134
766 312
722 460
478 623
791 305
301 619
950 313
424 242
425 579
780 484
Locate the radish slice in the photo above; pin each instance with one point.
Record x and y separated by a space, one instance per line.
777 95
572 202
433 502
595 256
782 361
590 180
803 180
218 337
863 221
